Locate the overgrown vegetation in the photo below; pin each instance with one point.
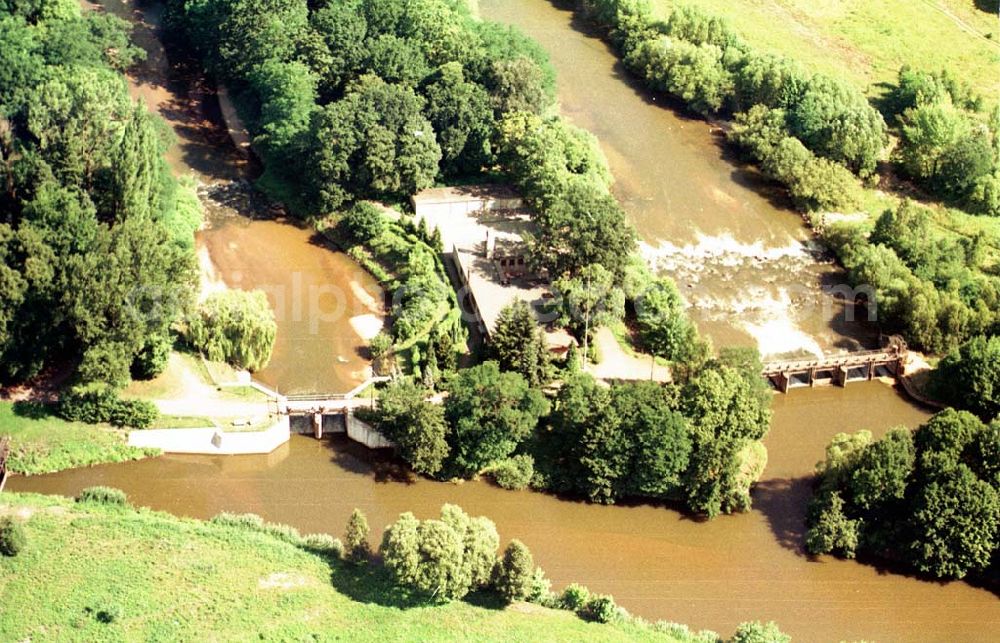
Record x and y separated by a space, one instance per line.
930 499
931 288
969 377
111 584
407 263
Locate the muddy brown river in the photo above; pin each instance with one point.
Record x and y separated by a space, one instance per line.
656 562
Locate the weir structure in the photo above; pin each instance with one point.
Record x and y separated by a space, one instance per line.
341 404
838 370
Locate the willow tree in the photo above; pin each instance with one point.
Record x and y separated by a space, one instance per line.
235 326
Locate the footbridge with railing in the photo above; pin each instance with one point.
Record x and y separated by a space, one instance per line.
837 370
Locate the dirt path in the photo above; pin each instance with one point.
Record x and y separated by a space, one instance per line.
616 364
961 24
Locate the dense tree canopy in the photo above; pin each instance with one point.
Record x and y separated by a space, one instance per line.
442 559
489 414
363 98
375 140
584 227
728 409
930 498
664 327
95 233
969 377
416 425
590 299
544 156
641 439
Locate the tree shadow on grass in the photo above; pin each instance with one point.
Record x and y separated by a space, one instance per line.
372 583
34 410
989 6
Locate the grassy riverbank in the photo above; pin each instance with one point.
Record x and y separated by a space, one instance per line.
867 42
44 443
92 572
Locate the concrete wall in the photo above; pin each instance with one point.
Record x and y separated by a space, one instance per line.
212 441
457 206
366 434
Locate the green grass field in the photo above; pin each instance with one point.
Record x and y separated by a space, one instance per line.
867 41
43 443
101 573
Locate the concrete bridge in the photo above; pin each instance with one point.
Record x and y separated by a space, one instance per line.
837 369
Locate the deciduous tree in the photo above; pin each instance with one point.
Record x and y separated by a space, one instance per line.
489 413
417 426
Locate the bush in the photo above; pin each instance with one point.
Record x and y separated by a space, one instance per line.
99 402
153 358
574 597
514 573
324 544
356 538
109 613
364 222
250 522
683 632
135 414
287 533
91 403
514 473
283 532
12 536
104 496
757 632
540 590
601 609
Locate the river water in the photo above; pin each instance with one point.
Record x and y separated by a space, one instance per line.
657 562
